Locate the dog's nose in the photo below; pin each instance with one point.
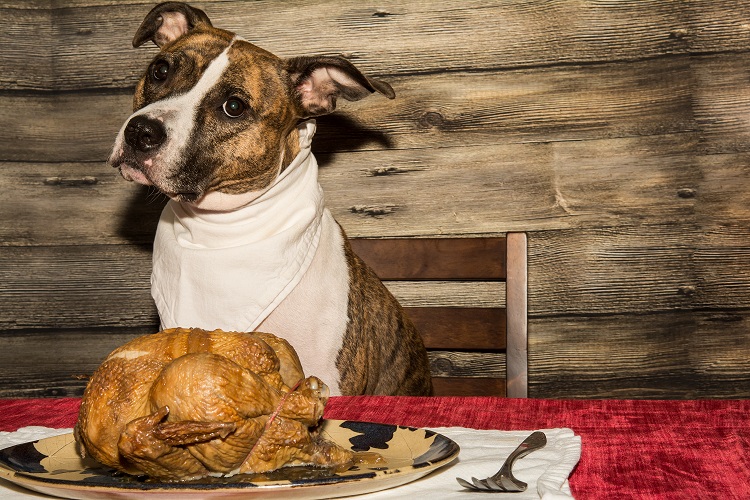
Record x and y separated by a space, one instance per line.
144 134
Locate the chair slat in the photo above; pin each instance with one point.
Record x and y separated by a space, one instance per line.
464 329
434 258
457 328
464 386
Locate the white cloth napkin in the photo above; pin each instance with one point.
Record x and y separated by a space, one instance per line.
482 452
230 270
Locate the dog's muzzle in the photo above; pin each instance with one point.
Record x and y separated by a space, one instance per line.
144 134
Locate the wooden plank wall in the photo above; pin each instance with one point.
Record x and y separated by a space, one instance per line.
617 133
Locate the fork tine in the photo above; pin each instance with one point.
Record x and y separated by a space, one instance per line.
479 484
465 483
494 486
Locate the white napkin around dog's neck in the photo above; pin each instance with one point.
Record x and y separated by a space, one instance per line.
229 270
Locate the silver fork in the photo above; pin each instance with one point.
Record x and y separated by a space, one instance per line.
504 480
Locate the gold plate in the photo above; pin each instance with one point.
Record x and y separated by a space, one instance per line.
54 467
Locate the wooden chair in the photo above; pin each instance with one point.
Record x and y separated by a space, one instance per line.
473 333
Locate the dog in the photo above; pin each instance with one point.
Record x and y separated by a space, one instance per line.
245 243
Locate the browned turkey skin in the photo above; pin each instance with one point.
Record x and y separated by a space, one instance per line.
186 403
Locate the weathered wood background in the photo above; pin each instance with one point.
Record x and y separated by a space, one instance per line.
617 133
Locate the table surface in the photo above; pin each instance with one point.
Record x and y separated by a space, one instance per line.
630 449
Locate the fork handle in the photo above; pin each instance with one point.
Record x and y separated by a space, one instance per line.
534 441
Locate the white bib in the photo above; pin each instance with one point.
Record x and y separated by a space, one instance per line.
229 270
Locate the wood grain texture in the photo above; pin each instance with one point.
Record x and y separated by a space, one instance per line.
517 314
490 294
648 268
74 204
466 364
394 37
462 386
560 103
572 273
56 363
54 289
615 132
722 102
471 328
639 270
407 259
574 357
75 287
108 286
672 355
503 187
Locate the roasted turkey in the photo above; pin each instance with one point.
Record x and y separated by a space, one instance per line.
186 403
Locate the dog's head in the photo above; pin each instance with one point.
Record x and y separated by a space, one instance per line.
215 113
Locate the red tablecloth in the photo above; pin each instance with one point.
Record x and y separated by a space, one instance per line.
630 449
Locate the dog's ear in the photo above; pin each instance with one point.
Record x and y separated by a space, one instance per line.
319 81
167 22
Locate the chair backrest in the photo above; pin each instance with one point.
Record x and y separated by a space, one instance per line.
462 340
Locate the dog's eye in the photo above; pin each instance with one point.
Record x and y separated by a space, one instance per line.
160 70
234 107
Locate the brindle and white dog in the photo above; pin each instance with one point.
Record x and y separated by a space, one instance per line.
245 242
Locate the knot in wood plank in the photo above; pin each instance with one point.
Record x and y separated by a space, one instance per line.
687 290
373 211
382 171
686 193
678 33
431 119
60 181
441 365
